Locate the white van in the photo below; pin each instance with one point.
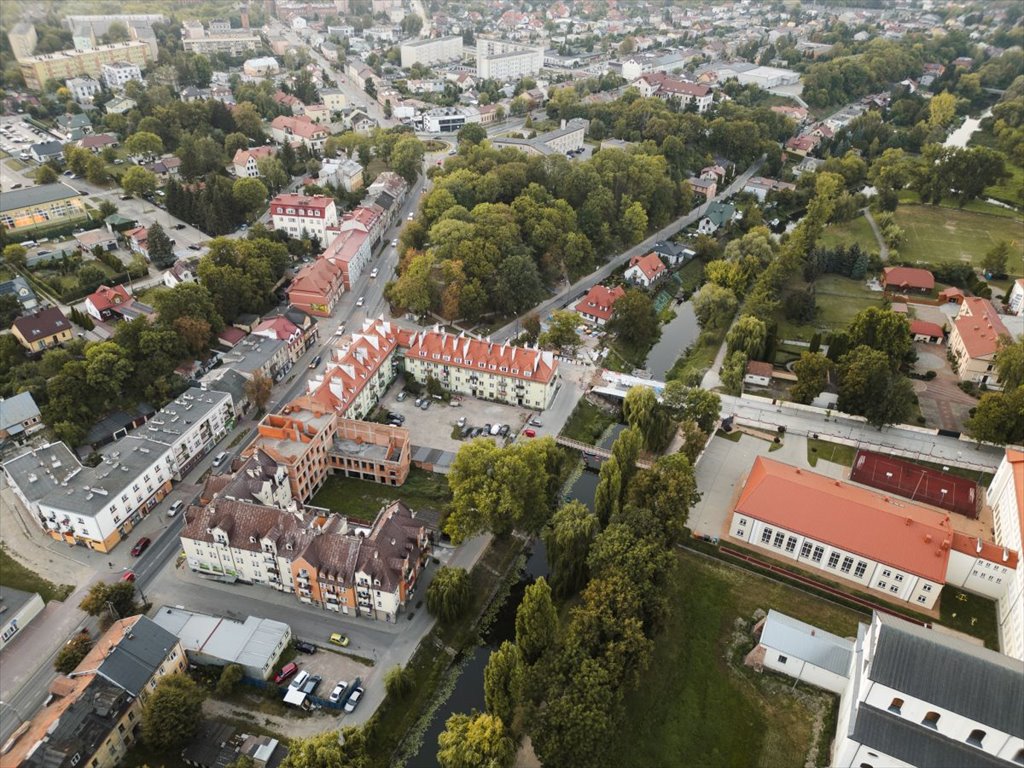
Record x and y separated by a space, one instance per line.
299 680
495 430
220 458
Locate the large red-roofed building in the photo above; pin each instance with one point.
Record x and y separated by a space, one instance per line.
974 340
598 304
304 215
907 279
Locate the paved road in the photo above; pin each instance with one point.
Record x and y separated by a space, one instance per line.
897 440
584 284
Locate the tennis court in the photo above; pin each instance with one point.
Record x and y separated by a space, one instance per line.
903 478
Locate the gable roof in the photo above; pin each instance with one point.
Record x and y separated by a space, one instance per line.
988 687
925 328
719 213
600 301
979 326
650 264
807 643
42 324
898 533
908 277
14 410
107 297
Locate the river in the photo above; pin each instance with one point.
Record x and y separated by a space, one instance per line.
676 336
962 135
468 693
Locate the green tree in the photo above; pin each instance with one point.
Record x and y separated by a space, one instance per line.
172 713
567 539
884 330
45 175
811 371
101 597
414 289
230 676
138 181
634 319
475 741
748 335
327 750
144 144
258 390
407 158
273 173
941 109
638 408
536 621
634 223
234 142
714 306
1010 363
250 194
161 250
398 682
14 254
733 369
187 300
71 655
994 260
869 387
608 493
998 417
668 490
703 407
448 595
472 133
96 170
503 681
561 332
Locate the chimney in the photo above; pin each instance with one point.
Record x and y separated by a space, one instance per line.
979 546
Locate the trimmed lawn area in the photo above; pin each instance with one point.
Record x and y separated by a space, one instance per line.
838 300
936 234
1009 189
697 359
824 450
587 423
693 707
853 231
970 614
16 576
362 500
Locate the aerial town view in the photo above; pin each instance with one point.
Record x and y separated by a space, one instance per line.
492 383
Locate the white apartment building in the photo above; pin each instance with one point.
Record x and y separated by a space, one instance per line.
304 215
431 51
919 697
449 119
1015 299
1006 497
507 60
99 506
120 72
83 89
482 369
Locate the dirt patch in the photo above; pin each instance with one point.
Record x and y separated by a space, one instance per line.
300 726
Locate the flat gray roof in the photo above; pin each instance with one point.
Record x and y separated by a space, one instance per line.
179 416
13 600
250 643
252 353
430 41
46 193
40 471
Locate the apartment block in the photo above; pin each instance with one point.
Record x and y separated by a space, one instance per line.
1006 497
218 38
60 66
298 129
431 51
974 341
304 215
507 60
120 72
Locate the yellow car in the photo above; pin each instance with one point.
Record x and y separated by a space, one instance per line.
338 639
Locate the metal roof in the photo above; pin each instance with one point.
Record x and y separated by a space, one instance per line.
133 662
15 410
807 643
987 687
45 193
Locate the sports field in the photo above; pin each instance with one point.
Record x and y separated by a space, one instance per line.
935 234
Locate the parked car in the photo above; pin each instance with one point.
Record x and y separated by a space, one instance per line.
338 692
315 361
466 432
504 430
394 243
418 402
141 546
373 273
530 433
339 639
175 508
128 576
287 671
179 226
195 247
426 404
360 300
535 423
411 216
495 430
402 396
312 684
304 647
462 421
299 681
353 700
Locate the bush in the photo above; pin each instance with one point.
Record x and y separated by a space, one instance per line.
929 375
230 677
398 682
71 655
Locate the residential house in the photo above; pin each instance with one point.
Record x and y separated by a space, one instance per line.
597 306
900 549
645 270
83 89
805 653
97 142
673 254
803 145
758 374
760 187
333 98
299 129
43 329
904 279
704 188
336 564
317 287
930 333
246 161
165 167
1006 498
19 417
282 329
73 127
120 105
259 356
350 251
342 172
96 238
483 369
975 339
304 215
138 240
180 272
218 744
669 88
318 113
46 150
108 302
290 102
903 707
17 609
22 291
716 216
117 74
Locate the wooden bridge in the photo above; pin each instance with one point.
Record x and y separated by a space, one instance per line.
593 450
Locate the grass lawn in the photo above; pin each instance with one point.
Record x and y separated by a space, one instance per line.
16 576
690 275
692 365
1009 189
587 423
970 614
692 707
362 499
827 451
936 234
854 231
838 300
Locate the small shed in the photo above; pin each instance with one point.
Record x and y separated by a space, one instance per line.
758 374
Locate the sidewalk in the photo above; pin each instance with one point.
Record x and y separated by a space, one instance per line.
711 378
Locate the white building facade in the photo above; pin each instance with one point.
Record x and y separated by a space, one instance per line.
431 51
507 60
1006 497
117 74
302 215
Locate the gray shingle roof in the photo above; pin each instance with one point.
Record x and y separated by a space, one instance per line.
987 687
916 745
15 410
808 643
134 661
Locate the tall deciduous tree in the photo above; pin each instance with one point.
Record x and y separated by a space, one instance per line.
449 593
999 417
748 335
503 681
568 538
634 319
869 387
120 596
811 371
669 490
172 713
884 330
561 332
258 389
139 181
536 621
1010 363
714 306
329 750
733 369
474 741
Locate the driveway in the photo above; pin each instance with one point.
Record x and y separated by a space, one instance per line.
943 403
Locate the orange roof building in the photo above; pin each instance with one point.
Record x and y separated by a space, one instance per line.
1006 497
974 340
645 270
907 279
317 288
599 302
882 544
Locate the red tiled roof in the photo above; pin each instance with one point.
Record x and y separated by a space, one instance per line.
897 533
979 326
480 355
600 301
924 328
231 335
757 368
107 296
317 202
671 85
299 125
321 277
650 264
257 153
908 277
985 550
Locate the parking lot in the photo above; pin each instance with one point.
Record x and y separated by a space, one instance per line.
331 666
433 427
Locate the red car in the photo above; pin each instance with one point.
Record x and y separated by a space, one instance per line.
140 546
530 432
128 576
287 671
